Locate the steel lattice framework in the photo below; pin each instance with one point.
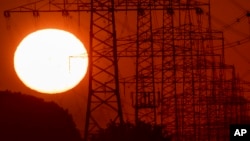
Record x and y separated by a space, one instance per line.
103 66
199 94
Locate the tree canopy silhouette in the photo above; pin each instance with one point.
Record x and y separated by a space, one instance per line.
26 118
130 132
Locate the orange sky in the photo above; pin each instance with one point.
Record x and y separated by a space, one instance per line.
19 25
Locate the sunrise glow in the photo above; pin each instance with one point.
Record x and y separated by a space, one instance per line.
51 61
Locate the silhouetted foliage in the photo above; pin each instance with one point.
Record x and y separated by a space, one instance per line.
26 118
130 132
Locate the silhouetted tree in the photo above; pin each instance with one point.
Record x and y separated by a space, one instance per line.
26 118
130 132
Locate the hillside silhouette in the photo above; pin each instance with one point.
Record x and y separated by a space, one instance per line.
27 118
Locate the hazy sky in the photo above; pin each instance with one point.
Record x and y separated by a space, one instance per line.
12 30
17 27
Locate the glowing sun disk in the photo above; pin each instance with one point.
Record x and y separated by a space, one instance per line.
51 61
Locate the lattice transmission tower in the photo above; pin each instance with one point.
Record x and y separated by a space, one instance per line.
180 78
103 65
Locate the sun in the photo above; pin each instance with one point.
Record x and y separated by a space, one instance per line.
51 61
